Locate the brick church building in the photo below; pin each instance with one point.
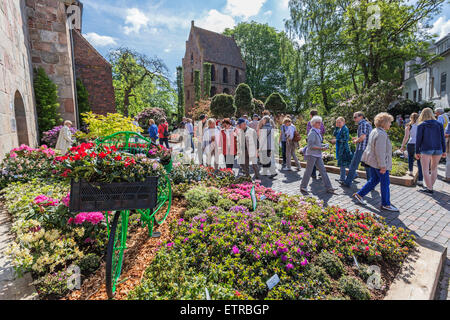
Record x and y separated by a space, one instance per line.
228 67
33 34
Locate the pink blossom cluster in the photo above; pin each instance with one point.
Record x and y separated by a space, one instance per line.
45 201
241 191
90 217
44 149
66 200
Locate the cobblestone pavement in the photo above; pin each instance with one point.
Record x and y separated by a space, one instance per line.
426 216
11 287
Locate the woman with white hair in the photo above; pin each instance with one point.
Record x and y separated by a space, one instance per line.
64 141
291 145
211 137
313 156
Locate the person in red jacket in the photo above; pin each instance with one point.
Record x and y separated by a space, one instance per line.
228 143
163 132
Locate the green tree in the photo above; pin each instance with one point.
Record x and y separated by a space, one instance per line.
82 100
136 79
260 47
243 100
276 104
222 106
197 85
47 105
180 88
206 80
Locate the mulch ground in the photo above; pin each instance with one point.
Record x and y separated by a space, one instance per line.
141 250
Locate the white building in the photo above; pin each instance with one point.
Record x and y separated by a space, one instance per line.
428 81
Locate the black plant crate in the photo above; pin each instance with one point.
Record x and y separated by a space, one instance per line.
90 197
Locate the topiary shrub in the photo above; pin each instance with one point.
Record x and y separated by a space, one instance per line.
47 105
331 263
156 114
206 80
354 288
82 100
276 104
243 100
222 106
89 263
259 106
197 85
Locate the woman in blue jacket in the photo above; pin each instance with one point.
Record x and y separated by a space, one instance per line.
343 153
153 130
430 147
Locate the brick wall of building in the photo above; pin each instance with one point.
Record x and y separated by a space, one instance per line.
95 73
51 49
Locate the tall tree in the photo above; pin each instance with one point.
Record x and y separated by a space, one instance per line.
260 47
132 71
206 80
47 105
180 88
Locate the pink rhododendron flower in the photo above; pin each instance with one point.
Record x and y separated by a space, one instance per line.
235 250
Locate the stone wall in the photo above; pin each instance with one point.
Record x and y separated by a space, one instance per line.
96 74
17 108
51 49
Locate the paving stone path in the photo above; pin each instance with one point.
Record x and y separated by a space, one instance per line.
11 287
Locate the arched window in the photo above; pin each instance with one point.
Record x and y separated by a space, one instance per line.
192 58
213 91
226 90
213 73
236 77
225 75
21 119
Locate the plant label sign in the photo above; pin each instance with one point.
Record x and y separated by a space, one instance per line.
253 196
272 282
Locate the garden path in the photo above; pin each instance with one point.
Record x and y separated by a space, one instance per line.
11 287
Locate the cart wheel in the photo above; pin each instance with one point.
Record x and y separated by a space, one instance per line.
164 199
114 252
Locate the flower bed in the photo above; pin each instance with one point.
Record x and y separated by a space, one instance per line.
233 252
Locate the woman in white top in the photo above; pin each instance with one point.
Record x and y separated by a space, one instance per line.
64 141
291 145
211 138
410 139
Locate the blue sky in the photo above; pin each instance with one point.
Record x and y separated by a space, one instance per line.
161 27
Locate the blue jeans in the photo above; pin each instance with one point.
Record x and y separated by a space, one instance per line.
411 147
283 152
342 177
377 178
356 160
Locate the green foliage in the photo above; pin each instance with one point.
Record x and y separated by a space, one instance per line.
89 263
82 100
260 48
192 212
246 203
319 274
197 85
354 288
53 285
144 116
180 89
47 105
206 80
276 104
331 263
201 197
103 126
406 107
243 100
222 106
225 203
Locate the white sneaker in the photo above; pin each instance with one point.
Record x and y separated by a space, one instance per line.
420 183
390 208
359 199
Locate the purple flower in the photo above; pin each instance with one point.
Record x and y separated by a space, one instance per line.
235 250
289 266
170 244
304 262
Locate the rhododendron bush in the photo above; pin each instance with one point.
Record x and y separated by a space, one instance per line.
25 163
50 137
311 247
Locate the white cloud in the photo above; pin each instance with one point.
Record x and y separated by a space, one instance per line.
268 13
216 21
441 27
244 9
284 4
136 19
99 41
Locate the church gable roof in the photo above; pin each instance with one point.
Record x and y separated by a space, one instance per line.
219 48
